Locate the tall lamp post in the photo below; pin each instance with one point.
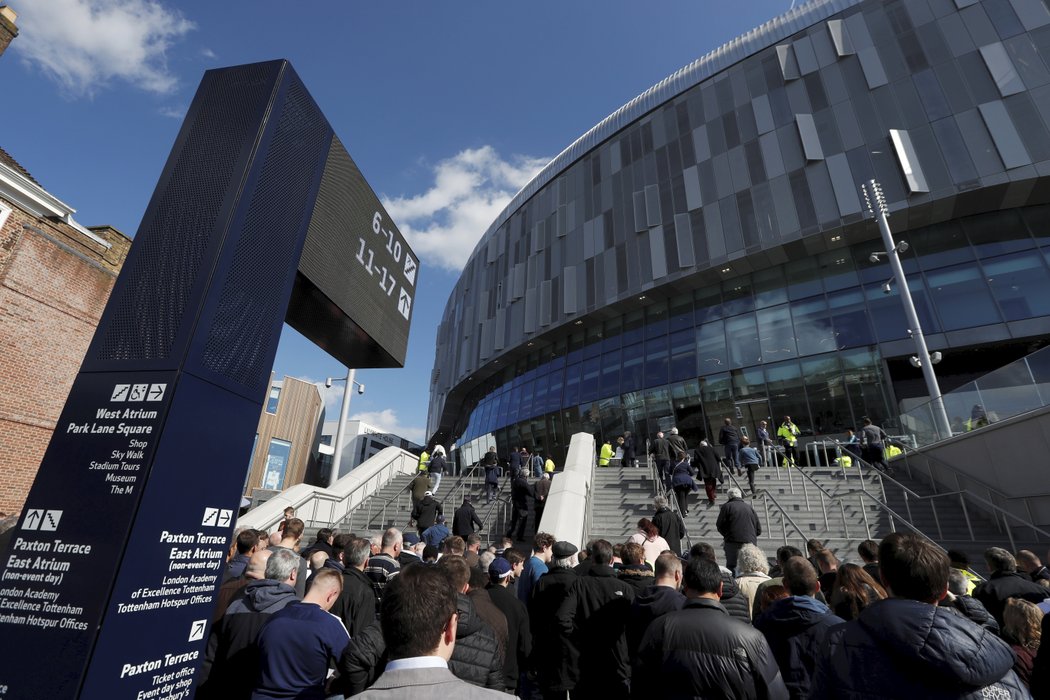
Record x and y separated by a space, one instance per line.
876 201
340 431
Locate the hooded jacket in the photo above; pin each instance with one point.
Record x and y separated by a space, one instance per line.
233 653
426 511
476 657
901 648
464 521
649 604
795 628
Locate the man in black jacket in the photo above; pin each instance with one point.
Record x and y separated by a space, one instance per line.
1005 582
356 604
795 626
465 519
659 599
906 646
660 449
732 599
555 658
700 651
596 613
519 638
705 461
738 524
520 492
477 657
669 524
425 512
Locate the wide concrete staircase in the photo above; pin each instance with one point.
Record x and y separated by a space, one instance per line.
815 502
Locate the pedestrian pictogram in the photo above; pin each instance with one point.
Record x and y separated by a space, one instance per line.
211 516
156 392
197 630
120 392
404 304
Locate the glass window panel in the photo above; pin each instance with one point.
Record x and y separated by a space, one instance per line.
716 393
814 330
749 383
849 318
711 347
940 245
770 287
683 355
803 278
656 319
997 233
838 269
572 386
886 313
933 99
962 297
633 326
631 378
787 395
1038 222
589 384
736 296
776 334
688 410
656 361
273 399
708 302
742 339
827 396
862 372
681 312
1020 284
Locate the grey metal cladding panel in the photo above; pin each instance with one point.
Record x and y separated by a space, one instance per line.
588 238
652 205
979 143
1032 13
763 114
568 288
788 62
532 310
823 193
518 289
683 232
611 276
499 339
807 59
840 37
964 3
545 303
843 183
716 242
979 26
656 252
849 129
701 146
1004 134
639 211
1027 61
871 64
787 218
807 131
771 155
1002 69
909 161
956 35
738 169
858 31
723 177
691 181
487 339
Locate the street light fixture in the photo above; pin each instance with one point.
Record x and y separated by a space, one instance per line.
340 432
876 201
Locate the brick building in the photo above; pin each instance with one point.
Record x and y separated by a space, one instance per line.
55 279
8 30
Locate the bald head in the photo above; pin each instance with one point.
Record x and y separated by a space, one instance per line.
325 588
256 569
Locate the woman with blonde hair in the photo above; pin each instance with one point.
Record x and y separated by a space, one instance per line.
753 566
1022 621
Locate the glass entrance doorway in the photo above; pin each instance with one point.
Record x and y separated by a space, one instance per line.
749 415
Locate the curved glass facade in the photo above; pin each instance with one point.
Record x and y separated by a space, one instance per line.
711 258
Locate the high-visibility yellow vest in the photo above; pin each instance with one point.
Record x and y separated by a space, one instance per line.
424 459
605 455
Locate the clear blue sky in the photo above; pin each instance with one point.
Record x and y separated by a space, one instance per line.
447 107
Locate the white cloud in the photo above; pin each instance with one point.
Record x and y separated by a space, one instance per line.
208 53
86 44
172 112
387 421
470 189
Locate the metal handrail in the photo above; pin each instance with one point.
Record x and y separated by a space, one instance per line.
960 493
500 503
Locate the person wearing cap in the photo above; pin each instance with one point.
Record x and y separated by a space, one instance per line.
519 637
436 533
426 511
555 657
465 520
419 486
408 553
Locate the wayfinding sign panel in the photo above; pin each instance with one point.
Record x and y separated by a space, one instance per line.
108 582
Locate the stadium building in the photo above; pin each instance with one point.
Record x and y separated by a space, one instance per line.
705 251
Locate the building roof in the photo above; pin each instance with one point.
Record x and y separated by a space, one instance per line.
8 160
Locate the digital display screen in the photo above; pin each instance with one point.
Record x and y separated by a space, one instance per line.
356 257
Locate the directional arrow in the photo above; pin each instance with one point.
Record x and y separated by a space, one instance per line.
197 630
32 520
225 516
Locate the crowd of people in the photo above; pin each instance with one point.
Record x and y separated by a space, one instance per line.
388 615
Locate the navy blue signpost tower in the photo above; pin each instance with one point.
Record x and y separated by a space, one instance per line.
260 216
